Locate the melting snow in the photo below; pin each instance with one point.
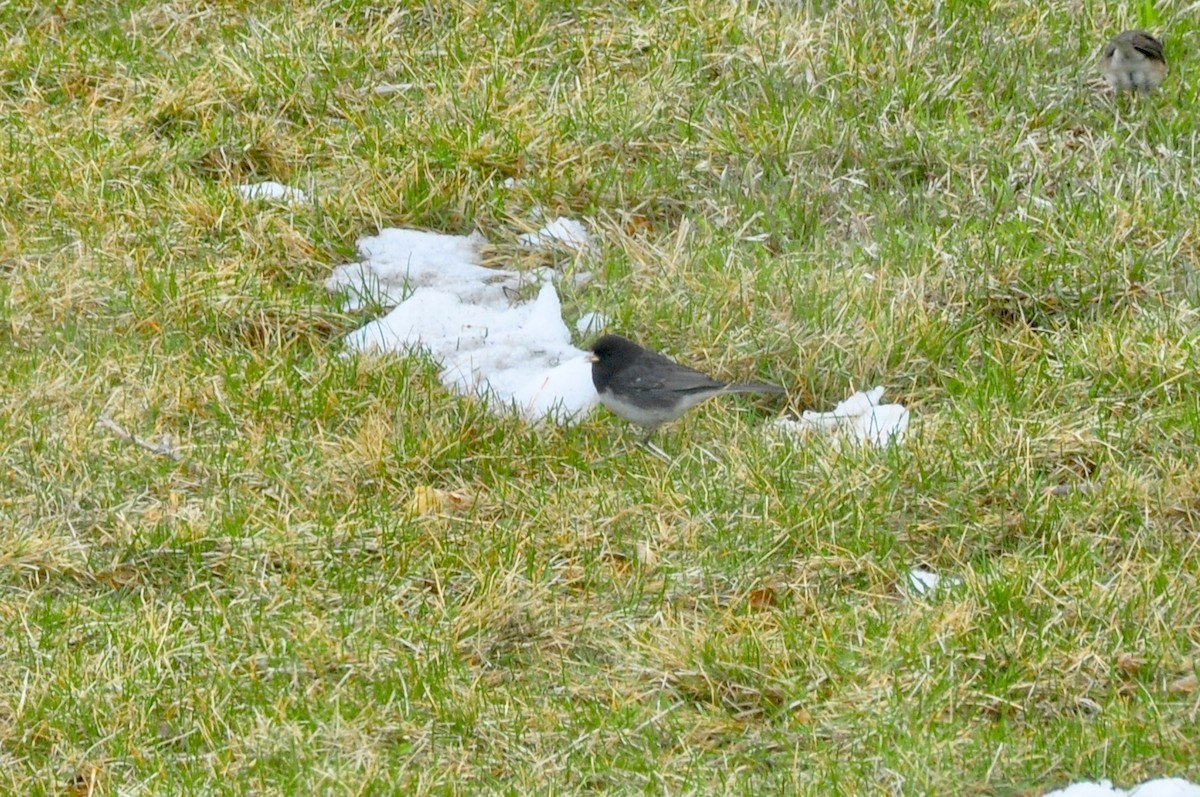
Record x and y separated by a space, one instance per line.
591 323
559 232
861 416
518 354
1161 787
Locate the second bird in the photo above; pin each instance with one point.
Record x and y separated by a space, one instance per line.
648 389
1134 60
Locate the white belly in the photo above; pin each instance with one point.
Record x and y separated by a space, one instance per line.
648 416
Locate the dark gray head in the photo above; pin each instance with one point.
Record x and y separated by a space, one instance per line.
610 354
609 347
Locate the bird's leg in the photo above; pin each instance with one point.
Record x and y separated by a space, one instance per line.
658 452
653 449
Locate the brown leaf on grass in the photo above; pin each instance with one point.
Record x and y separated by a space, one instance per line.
85 783
762 598
119 576
1128 663
618 561
637 224
1184 686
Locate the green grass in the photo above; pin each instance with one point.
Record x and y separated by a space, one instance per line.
930 196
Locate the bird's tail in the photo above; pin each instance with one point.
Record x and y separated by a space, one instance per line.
754 387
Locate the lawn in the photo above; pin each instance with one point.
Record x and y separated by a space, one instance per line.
335 576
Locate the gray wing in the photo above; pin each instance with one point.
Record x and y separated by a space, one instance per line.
1147 45
660 373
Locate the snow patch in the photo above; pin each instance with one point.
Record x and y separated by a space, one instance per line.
860 417
561 232
516 353
1160 787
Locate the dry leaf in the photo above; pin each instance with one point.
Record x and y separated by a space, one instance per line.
638 224
85 783
1128 663
761 598
119 576
1183 686
618 561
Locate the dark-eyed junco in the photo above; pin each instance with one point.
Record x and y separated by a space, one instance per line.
646 388
1134 60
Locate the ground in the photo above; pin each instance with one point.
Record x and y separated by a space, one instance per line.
350 580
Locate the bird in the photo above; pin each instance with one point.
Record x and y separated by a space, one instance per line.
648 389
1134 60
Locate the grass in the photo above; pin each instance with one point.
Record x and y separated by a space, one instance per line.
357 582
